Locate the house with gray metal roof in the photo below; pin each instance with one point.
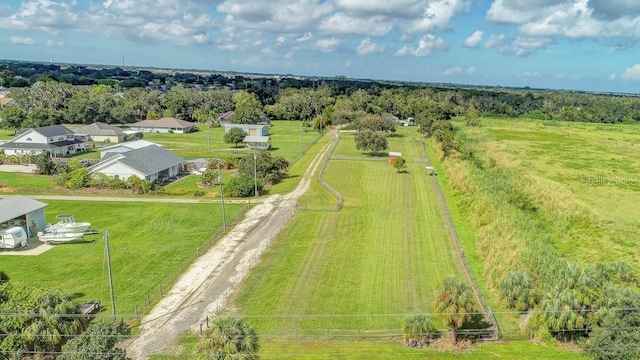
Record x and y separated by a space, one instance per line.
152 163
22 211
57 139
257 142
100 132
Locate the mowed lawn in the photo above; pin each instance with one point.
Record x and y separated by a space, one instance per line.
364 267
149 242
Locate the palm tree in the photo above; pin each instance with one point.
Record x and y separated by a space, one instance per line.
229 338
455 303
54 323
418 331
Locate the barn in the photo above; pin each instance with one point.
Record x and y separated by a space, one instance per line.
22 211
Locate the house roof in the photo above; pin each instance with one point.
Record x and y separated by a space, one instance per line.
245 126
148 160
167 122
138 144
257 139
98 128
5 101
226 116
39 146
48 131
14 206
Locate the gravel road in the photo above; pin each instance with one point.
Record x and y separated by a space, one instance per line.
207 283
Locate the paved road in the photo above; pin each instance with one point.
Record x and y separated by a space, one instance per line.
205 286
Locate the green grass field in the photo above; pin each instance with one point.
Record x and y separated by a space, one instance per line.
286 140
150 242
595 165
382 256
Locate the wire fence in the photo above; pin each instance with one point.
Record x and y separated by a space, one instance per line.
463 260
164 286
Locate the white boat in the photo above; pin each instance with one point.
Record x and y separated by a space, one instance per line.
56 238
67 224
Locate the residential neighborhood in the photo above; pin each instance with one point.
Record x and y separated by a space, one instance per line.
56 139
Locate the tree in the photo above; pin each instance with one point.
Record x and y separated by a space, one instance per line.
234 136
400 164
455 303
618 336
134 183
97 342
57 319
418 331
372 141
248 109
517 289
375 123
208 178
242 185
229 338
44 165
268 168
12 117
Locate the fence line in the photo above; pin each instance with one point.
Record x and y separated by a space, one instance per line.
204 246
335 192
463 260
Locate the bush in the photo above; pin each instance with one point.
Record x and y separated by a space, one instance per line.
198 193
418 331
242 186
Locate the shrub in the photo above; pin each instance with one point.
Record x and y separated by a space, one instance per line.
418 331
242 186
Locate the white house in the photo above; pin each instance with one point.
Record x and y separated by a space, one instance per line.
57 139
100 132
152 163
126 147
164 125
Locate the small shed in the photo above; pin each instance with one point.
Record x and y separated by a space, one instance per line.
393 155
22 211
257 142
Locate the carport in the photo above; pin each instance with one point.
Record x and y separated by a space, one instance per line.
22 211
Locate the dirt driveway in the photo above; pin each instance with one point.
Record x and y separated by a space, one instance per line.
205 286
18 168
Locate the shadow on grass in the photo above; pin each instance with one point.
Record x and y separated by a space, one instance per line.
395 135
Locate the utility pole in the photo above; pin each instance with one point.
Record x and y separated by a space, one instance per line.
113 299
224 218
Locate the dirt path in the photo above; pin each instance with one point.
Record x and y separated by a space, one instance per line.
205 286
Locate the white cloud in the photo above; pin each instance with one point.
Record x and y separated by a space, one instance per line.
22 40
495 41
471 70
327 45
528 74
396 8
453 70
369 47
340 23
438 14
426 46
631 73
474 39
54 43
614 23
306 37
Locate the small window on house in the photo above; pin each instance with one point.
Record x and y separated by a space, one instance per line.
29 139
51 139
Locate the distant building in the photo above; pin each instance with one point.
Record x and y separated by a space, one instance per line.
100 132
250 129
257 142
57 139
164 125
126 147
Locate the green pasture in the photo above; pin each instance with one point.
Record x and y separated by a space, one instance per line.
150 244
364 267
286 141
596 164
10 182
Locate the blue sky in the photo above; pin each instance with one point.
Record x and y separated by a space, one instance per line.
566 44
